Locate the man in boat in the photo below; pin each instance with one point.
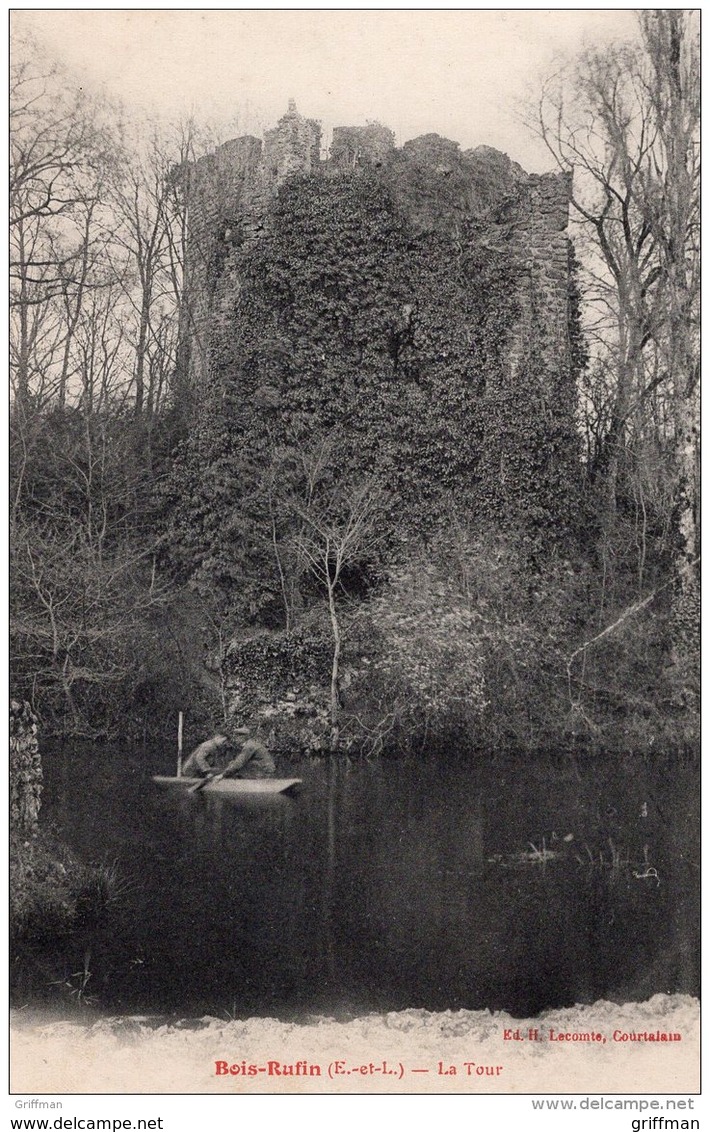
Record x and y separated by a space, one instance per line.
212 758
207 759
254 760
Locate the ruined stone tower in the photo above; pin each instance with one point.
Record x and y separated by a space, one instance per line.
229 192
437 186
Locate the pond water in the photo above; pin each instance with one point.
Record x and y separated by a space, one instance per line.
504 884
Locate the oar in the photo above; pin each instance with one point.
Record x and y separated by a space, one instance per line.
204 782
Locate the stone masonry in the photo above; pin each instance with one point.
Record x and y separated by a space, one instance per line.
537 217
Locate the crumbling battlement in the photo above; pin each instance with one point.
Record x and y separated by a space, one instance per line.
354 147
293 146
229 192
437 185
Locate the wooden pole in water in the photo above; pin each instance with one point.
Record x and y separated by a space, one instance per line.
179 765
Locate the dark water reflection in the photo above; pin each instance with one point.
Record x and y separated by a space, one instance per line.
389 885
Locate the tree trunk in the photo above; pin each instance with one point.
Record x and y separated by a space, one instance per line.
334 675
141 350
678 122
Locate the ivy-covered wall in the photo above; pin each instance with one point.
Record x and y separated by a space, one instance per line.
412 309
434 184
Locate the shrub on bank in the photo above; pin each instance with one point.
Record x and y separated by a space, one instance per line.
52 893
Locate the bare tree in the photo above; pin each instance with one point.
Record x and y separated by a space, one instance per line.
63 153
141 204
672 84
151 200
338 532
626 122
83 586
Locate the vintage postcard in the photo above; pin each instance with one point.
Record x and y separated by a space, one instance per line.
354 524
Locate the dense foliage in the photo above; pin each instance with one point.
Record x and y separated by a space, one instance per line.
378 505
341 321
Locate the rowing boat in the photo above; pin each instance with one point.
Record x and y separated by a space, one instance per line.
234 785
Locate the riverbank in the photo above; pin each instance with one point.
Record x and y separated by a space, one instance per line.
650 1047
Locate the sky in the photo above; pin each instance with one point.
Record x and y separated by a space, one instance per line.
464 74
